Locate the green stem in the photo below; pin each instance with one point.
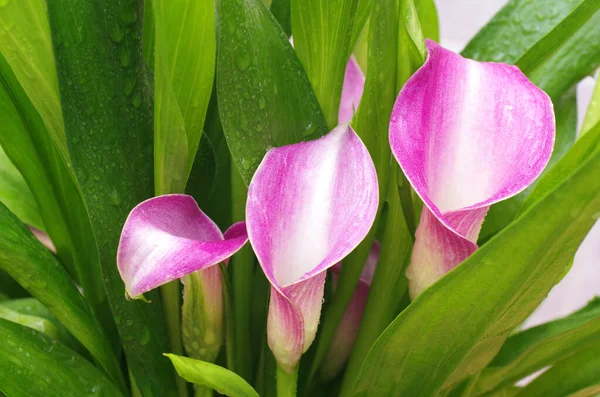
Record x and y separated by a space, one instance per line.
286 382
242 266
171 301
388 286
229 320
349 277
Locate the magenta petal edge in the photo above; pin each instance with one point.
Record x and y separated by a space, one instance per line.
467 135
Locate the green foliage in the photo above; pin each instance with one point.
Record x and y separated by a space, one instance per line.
206 374
105 105
265 98
33 266
16 195
34 365
322 34
454 328
184 64
533 349
107 108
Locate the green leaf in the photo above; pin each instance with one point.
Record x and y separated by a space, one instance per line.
265 98
322 33
504 212
385 79
28 144
210 375
535 348
575 376
282 11
184 67
561 34
454 328
212 166
363 10
107 108
15 194
35 268
428 17
34 308
32 364
593 112
39 324
558 41
582 151
26 45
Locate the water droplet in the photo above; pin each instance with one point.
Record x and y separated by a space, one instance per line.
309 130
242 61
128 15
245 163
262 103
117 35
129 86
115 198
125 58
145 337
137 100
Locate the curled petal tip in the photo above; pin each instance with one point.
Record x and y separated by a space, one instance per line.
466 134
309 205
167 237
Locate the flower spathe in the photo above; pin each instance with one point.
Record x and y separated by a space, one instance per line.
466 134
354 85
168 237
309 205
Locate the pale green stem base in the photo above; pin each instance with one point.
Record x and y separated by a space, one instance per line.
286 382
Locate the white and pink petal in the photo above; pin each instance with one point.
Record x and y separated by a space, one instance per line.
309 205
466 134
167 237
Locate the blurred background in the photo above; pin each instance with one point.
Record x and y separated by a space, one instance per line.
459 21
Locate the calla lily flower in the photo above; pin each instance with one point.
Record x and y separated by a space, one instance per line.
309 205
354 84
343 340
168 237
467 135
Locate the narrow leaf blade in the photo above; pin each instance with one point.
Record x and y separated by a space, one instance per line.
210 375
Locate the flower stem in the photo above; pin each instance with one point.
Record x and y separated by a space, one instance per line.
171 301
229 319
286 382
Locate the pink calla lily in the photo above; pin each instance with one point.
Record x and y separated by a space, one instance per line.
168 237
345 336
354 84
309 205
467 135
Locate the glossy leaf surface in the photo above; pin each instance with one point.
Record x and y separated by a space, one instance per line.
15 193
185 51
35 365
26 44
455 327
210 375
322 34
108 123
28 144
568 54
265 98
33 266
535 348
